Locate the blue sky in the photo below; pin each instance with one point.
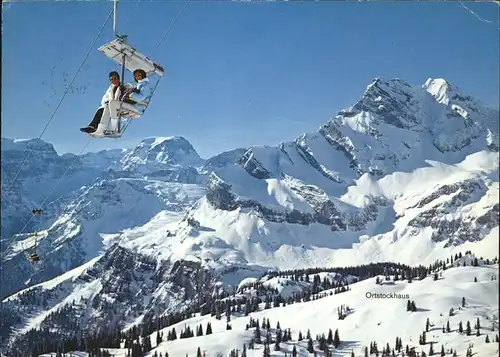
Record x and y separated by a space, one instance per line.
238 74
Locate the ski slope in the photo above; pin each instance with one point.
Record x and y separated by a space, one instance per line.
380 320
371 319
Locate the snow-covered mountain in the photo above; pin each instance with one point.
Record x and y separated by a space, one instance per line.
407 174
94 194
38 168
155 154
42 170
460 315
223 159
92 222
398 176
104 159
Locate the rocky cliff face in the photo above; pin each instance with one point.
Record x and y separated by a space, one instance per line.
119 287
324 211
467 214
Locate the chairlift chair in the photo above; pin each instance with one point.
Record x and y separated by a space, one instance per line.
33 257
130 59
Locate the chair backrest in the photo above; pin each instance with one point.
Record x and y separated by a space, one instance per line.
144 102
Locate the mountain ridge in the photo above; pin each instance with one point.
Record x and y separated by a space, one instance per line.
403 175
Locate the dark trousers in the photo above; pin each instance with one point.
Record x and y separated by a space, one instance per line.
97 118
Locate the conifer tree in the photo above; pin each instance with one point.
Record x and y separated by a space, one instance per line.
468 329
336 339
329 340
423 338
310 347
257 334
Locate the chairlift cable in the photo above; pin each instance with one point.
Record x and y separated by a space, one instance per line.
131 13
51 191
60 102
157 46
45 128
171 26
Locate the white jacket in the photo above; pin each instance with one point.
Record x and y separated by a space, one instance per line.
109 95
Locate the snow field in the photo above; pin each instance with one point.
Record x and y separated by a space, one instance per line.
380 320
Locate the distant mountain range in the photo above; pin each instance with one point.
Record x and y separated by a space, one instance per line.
407 174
